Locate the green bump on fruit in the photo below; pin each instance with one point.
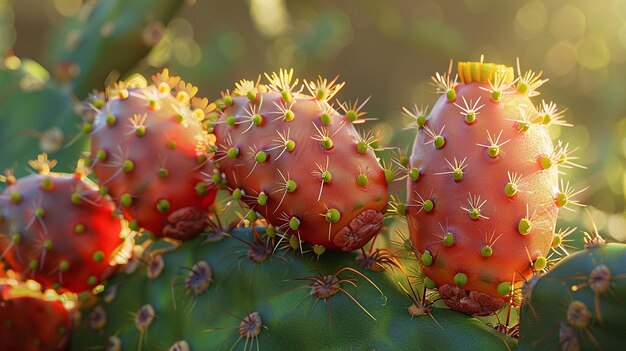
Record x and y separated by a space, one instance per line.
448 239
180 119
16 197
427 258
290 186
79 228
228 100
231 121
428 205
557 240
496 96
47 244
171 144
216 178
101 155
87 128
98 256
439 141
92 280
103 190
460 279
33 264
163 173
474 213
361 147
332 215
163 205
289 116
351 115
40 212
260 157
201 188
504 288
414 174
523 127
561 199
429 283
126 200
510 189
540 263
64 266
325 118
294 223
361 179
16 238
128 166
327 143
493 150
420 120
486 251
451 95
470 117
46 184
545 162
252 216
290 145
110 120
270 231
134 226
457 174
524 226
262 199
251 95
294 242
257 119
319 249
327 176
286 95
76 199
232 152
140 131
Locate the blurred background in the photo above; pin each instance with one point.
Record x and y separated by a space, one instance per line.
389 49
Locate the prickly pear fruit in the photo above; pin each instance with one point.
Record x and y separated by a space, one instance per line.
483 191
58 229
579 303
294 159
237 293
31 321
152 154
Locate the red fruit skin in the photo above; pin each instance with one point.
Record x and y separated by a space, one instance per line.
361 208
96 213
168 143
484 176
30 322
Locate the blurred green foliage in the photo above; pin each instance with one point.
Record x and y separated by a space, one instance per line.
389 49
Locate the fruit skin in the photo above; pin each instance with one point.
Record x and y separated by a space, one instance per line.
274 288
32 321
510 253
299 138
58 230
150 151
578 304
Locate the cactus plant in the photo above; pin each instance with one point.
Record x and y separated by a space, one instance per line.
578 304
301 164
238 293
58 229
151 153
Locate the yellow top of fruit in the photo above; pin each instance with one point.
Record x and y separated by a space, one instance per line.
484 71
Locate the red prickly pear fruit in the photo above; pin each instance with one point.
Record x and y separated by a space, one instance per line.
483 209
30 321
300 163
59 230
150 151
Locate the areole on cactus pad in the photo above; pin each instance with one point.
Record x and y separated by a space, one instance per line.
298 162
150 152
484 194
